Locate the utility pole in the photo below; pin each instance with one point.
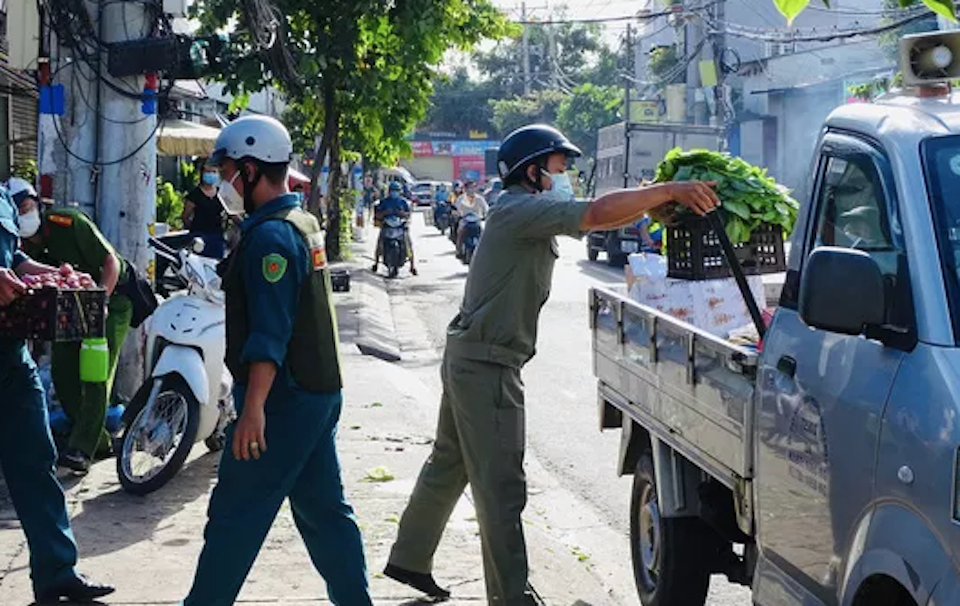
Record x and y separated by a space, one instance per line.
626 109
724 113
526 49
126 208
552 54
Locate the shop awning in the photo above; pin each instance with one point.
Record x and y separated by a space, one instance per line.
182 138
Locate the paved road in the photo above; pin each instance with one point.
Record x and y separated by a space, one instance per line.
562 426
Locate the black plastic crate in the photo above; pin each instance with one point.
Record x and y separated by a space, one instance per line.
340 280
51 314
694 251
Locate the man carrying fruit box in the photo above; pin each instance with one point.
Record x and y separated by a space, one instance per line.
27 453
67 238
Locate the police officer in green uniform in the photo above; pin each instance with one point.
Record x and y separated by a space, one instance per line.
481 434
282 351
66 235
27 452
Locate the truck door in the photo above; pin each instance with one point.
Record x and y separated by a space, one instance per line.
821 394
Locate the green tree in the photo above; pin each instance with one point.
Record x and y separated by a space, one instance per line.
364 70
581 56
460 104
792 8
510 114
589 108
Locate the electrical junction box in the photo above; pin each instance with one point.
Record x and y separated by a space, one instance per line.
175 8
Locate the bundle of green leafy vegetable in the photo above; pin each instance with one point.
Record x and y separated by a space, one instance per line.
749 196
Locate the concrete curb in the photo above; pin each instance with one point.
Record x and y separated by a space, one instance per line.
376 329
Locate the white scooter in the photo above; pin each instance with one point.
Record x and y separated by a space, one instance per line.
186 397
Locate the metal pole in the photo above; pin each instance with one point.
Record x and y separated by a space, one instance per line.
526 49
626 113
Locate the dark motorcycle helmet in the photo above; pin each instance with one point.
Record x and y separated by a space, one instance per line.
528 145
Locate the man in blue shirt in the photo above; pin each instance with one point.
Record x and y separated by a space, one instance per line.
395 205
27 452
283 354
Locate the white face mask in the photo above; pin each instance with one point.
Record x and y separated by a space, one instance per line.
230 194
30 223
560 184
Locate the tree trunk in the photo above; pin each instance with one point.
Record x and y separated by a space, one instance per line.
331 126
334 190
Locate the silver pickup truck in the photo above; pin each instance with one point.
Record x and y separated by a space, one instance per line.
824 469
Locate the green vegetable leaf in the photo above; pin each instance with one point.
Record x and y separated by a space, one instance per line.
738 208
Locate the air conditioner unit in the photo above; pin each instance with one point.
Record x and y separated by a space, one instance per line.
23 34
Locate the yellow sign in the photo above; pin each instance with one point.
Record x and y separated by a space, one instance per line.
478 134
644 111
708 74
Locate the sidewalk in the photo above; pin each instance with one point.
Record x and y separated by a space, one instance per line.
148 546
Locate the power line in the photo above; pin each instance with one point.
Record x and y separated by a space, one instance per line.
634 17
787 37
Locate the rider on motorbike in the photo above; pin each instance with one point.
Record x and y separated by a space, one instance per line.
393 205
441 204
469 202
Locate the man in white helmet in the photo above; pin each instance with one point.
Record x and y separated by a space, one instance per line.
282 352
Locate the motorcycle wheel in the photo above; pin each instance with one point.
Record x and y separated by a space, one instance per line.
160 435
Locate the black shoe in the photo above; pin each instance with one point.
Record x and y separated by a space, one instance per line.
77 589
75 460
413 271
418 580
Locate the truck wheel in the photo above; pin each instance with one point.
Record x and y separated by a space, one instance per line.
670 564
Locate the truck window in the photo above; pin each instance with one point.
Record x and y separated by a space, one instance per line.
941 163
853 212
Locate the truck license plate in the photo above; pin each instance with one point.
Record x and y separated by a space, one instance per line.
628 246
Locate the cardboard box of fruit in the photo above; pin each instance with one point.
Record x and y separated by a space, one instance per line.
59 306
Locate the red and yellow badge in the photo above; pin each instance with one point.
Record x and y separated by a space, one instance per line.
318 258
61 220
274 266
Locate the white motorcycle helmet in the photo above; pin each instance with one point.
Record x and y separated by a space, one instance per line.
20 189
256 137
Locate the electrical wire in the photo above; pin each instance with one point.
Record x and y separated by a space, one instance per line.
634 17
70 152
788 37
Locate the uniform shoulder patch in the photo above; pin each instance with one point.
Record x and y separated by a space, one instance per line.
274 266
61 220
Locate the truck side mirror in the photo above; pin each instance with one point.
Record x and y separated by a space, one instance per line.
842 291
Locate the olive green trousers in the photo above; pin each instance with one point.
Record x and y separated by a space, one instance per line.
480 441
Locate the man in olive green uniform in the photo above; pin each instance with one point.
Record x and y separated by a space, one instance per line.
481 433
65 235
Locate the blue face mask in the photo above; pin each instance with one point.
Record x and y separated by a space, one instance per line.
394 195
211 178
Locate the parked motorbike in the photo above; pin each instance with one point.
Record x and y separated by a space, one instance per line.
187 396
394 235
441 216
472 231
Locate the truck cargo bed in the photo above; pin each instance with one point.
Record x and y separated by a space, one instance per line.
687 387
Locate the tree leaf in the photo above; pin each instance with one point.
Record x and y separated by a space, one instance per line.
944 8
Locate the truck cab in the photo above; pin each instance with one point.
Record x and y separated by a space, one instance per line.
823 469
